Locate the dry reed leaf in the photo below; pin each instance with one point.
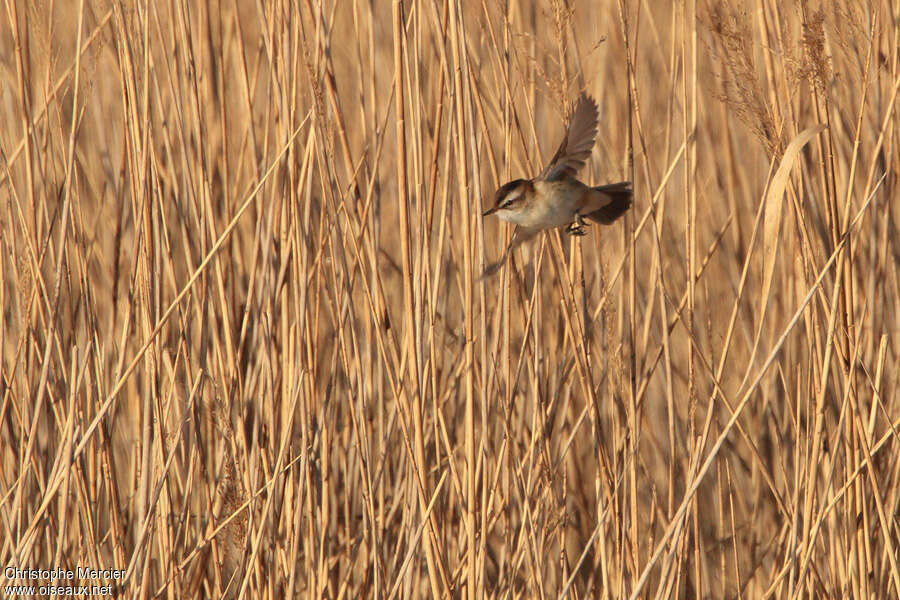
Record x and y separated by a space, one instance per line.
775 203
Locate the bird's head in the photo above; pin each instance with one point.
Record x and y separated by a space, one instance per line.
510 197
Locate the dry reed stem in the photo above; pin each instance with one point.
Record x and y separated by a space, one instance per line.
245 351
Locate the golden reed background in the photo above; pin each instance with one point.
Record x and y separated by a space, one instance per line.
245 350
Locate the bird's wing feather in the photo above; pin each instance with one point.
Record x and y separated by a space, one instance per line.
520 236
576 146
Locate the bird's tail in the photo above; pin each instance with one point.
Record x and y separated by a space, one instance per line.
620 195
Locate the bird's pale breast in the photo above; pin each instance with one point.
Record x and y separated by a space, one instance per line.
557 202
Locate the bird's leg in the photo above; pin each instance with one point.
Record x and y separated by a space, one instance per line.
576 227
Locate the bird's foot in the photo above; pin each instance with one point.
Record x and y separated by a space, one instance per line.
576 227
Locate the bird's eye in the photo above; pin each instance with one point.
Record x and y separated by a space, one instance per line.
509 197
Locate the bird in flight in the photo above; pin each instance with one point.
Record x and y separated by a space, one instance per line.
555 197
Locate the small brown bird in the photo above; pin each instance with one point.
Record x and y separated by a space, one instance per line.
555 198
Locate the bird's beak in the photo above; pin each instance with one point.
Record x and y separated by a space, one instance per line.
490 211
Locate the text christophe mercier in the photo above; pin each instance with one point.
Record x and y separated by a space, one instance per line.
67 574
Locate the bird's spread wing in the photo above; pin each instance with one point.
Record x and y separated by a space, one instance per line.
576 146
520 236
